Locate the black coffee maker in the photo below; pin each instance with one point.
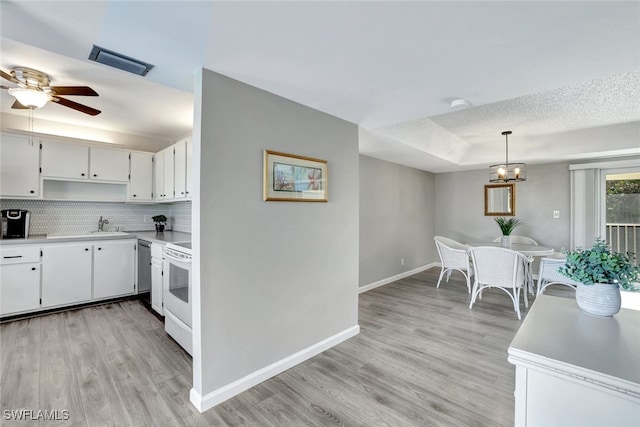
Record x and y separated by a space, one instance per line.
15 223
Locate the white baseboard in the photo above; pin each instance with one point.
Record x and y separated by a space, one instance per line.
208 401
391 279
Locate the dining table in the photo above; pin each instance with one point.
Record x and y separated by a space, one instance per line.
524 248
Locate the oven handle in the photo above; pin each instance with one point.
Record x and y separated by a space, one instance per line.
179 260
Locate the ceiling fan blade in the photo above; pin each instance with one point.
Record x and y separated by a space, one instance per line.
74 90
79 107
17 106
8 76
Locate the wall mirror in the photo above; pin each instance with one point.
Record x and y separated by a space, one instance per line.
500 200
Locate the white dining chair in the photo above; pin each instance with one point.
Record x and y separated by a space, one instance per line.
500 268
527 241
519 239
453 256
548 273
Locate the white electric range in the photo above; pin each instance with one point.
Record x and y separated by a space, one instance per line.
177 296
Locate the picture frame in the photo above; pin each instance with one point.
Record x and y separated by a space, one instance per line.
293 178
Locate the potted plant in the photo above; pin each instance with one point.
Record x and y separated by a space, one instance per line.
160 221
507 226
601 274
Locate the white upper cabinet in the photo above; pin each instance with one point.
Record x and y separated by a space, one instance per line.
141 180
168 174
164 174
106 164
61 160
19 166
180 169
78 162
189 167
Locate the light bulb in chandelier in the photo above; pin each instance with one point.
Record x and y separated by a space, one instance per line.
507 172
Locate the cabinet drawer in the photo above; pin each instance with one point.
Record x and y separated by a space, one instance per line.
19 254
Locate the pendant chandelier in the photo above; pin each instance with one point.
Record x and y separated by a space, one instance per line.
507 172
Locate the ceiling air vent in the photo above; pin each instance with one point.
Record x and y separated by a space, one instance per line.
119 61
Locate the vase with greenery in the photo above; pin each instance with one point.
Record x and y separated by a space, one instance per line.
601 274
506 227
160 221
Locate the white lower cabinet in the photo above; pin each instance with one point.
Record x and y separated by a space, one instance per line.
19 279
156 278
66 273
114 268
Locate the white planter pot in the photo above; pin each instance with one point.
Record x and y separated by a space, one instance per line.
505 242
600 299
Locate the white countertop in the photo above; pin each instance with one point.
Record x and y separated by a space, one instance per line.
559 335
152 236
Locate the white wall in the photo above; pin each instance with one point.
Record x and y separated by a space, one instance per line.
459 206
271 279
397 219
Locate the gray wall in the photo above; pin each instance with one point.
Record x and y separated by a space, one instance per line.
273 277
459 205
397 219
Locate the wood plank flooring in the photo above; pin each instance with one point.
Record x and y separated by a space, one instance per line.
422 359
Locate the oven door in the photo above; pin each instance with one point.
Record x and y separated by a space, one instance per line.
176 283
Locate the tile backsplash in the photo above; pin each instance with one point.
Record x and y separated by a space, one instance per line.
62 217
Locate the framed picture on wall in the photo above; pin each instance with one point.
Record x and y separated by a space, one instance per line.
292 178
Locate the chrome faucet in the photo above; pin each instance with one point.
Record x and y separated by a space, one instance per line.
102 223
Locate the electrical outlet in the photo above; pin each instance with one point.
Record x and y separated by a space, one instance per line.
556 214
401 261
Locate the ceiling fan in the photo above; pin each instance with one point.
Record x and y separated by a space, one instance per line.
34 91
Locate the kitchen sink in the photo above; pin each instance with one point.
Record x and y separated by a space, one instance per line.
88 234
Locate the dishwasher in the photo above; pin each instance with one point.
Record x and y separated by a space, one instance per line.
144 271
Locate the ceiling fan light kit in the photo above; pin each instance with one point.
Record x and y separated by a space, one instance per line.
34 91
507 172
30 98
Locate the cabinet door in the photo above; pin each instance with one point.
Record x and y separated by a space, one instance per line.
109 165
156 278
66 274
114 268
189 167
141 181
19 287
19 166
158 175
180 169
168 184
60 160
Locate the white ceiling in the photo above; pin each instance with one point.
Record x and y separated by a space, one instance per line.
563 76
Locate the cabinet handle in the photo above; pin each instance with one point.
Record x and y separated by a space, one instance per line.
32 191
182 192
14 256
95 175
86 249
81 174
33 269
134 195
99 249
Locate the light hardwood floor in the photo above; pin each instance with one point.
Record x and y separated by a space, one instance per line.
422 359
